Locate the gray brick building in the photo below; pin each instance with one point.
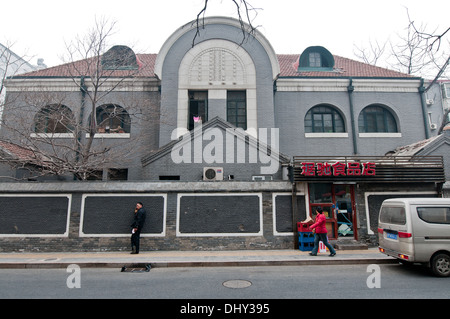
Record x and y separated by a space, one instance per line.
227 143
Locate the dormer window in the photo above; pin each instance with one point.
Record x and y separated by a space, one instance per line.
316 58
119 57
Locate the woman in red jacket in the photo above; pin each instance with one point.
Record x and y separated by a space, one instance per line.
320 233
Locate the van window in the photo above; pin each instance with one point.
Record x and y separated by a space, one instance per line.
434 215
393 215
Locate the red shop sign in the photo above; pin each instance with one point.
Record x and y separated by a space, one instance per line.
338 169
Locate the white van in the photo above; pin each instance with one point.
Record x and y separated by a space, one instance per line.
417 230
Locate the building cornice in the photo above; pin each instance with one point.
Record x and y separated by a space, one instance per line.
57 84
341 85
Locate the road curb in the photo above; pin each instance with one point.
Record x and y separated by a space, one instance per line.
173 264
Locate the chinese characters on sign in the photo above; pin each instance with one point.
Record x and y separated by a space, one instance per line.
338 169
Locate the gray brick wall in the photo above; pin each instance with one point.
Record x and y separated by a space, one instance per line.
225 206
100 216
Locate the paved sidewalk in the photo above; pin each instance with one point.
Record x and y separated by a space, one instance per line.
190 258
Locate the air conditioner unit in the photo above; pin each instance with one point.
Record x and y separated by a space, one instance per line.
433 126
213 174
430 102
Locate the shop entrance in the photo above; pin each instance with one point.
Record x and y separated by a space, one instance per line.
338 203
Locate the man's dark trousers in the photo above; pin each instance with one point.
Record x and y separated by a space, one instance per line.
135 239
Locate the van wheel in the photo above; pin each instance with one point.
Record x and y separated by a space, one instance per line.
440 265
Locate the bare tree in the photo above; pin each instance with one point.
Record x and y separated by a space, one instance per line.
96 74
433 44
435 55
410 52
416 51
372 54
244 11
421 52
62 141
91 76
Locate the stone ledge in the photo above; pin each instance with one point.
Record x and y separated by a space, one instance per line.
351 246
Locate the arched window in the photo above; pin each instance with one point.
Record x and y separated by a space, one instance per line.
54 118
324 119
377 119
112 118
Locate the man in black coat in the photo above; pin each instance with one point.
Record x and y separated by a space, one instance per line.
138 224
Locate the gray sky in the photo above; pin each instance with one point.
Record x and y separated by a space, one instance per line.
39 29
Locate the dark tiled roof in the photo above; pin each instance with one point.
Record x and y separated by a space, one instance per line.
343 68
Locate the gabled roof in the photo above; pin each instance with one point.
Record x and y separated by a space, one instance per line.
288 68
216 122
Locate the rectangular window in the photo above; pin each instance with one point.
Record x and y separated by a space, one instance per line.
314 60
169 177
237 108
198 108
393 215
117 174
320 193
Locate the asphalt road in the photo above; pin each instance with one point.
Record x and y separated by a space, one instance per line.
284 282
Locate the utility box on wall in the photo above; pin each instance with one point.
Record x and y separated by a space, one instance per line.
213 174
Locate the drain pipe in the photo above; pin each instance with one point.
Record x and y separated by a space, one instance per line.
83 90
424 108
350 89
294 214
290 174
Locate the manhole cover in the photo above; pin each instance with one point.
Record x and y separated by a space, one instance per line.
136 268
237 283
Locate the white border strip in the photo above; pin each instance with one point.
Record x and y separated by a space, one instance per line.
274 205
379 135
69 207
179 234
366 202
83 200
326 135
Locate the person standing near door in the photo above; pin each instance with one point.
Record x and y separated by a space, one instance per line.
320 231
137 225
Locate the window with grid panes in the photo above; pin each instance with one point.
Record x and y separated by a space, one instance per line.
376 119
237 108
324 119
